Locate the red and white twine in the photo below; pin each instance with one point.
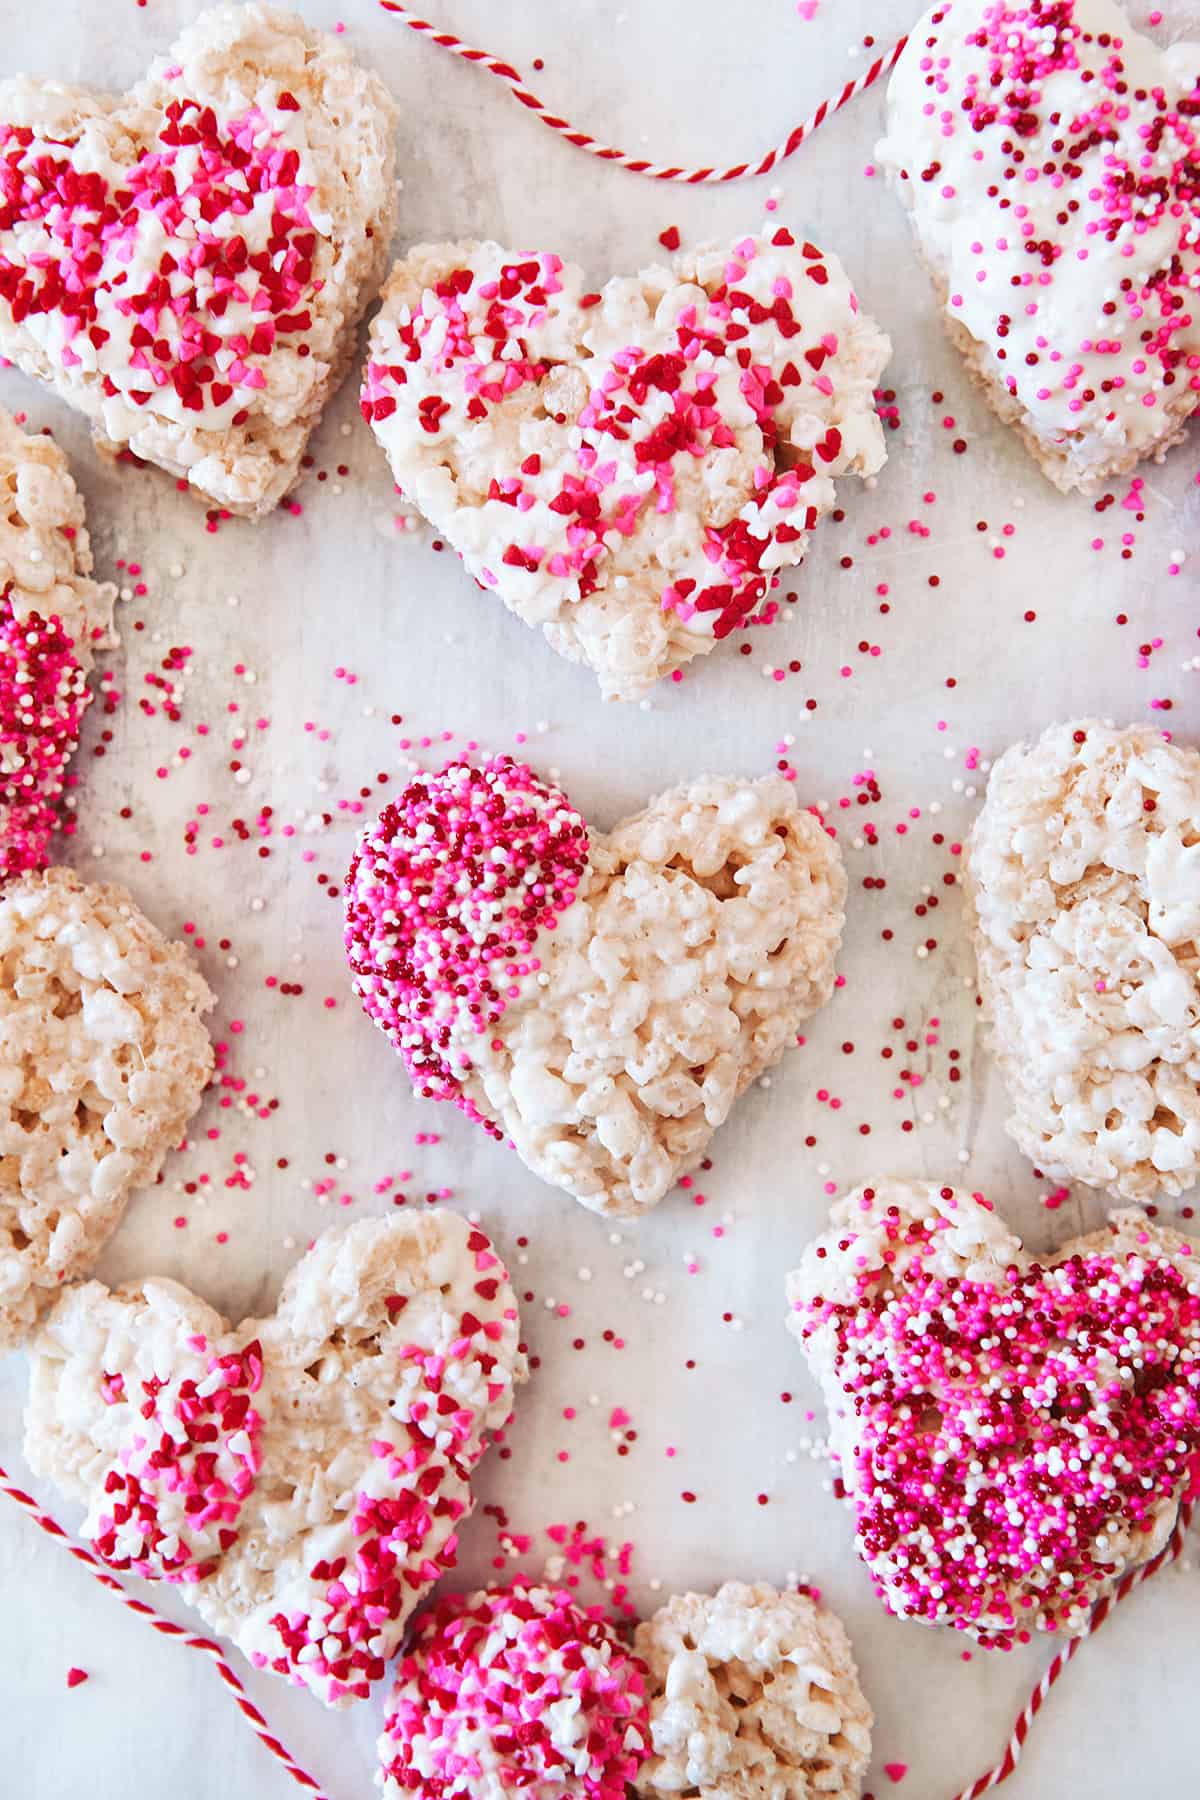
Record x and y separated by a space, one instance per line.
1033 1706
258 1724
168 1628
639 165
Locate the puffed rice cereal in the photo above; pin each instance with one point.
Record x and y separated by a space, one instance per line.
629 470
204 320
754 1695
1082 879
103 1059
301 1479
600 999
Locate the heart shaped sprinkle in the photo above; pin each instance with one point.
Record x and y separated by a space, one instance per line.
1082 881
752 1693
628 469
599 1000
301 1478
515 1688
187 265
1014 1433
1048 157
104 1059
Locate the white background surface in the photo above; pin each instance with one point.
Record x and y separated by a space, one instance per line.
338 587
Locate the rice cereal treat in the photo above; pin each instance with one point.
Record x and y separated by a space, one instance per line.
1082 881
186 264
627 469
301 1478
1014 1433
601 1000
753 1696
52 617
103 1059
1046 153
514 1689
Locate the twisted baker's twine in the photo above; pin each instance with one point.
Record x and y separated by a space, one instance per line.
168 1628
258 1724
638 165
1033 1706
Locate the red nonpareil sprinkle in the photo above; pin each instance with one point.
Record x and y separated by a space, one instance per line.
43 697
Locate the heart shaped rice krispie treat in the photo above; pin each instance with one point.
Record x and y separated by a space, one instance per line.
1015 1433
302 1477
186 265
1047 154
628 470
52 617
103 1059
1082 881
599 999
754 1695
515 1689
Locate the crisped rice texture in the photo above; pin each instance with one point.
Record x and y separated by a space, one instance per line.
634 542
243 452
754 1695
1083 889
390 1358
875 1234
45 554
103 1059
702 938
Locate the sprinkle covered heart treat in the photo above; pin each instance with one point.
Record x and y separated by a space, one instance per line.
754 1695
103 1059
1082 879
628 469
600 1000
515 1689
300 1478
1047 154
187 265
52 617
1015 1434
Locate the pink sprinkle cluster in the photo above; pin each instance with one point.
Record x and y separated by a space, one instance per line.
1006 1436
516 1690
43 697
472 342
223 278
404 1527
445 899
181 1480
1102 194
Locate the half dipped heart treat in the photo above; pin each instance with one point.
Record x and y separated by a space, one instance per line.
601 1000
631 468
1015 1433
300 1478
53 617
186 265
1047 154
1082 883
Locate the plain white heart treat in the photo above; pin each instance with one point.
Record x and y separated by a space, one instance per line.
1014 1432
1082 881
631 469
1047 154
300 1478
187 264
103 1059
599 999
754 1695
